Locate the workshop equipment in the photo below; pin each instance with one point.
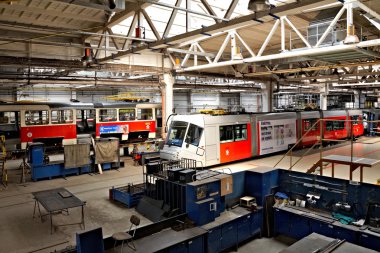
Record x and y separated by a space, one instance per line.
173 173
41 168
185 176
247 201
313 197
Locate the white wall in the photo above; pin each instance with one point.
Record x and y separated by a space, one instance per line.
251 102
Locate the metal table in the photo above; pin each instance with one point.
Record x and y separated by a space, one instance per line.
353 162
57 200
314 242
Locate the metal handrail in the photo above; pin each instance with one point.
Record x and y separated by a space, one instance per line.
298 142
320 140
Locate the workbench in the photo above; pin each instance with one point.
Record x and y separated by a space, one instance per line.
232 227
314 242
168 240
353 162
57 201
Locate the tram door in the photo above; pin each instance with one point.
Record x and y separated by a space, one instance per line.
85 121
10 128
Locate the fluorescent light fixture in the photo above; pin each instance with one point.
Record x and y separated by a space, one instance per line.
139 76
85 86
355 84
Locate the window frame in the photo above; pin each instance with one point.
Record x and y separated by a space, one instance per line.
188 140
64 114
114 119
43 122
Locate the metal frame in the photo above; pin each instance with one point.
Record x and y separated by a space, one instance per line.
310 50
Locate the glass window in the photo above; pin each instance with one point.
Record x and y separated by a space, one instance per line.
36 117
159 117
226 133
62 116
194 135
356 119
7 117
308 123
338 125
127 114
177 133
144 114
240 132
106 115
329 125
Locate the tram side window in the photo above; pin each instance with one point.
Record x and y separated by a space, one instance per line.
356 120
329 125
127 114
194 135
61 116
7 117
308 123
36 117
338 125
240 132
144 114
159 117
107 115
226 133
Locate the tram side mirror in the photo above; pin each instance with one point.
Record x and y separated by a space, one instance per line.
187 140
166 129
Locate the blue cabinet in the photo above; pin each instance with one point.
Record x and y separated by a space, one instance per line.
179 248
258 183
256 222
281 222
289 224
196 245
244 228
214 237
299 226
229 235
347 234
321 228
370 241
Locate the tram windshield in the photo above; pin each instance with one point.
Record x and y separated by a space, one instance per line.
177 133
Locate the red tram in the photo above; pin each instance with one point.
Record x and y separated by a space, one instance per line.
22 123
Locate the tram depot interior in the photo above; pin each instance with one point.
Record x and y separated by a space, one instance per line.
189 126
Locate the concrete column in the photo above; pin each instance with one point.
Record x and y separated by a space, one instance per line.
323 97
357 98
266 95
167 99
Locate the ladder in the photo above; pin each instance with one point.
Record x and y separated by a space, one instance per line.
3 156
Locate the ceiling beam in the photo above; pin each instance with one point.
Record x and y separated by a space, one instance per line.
231 9
288 9
51 12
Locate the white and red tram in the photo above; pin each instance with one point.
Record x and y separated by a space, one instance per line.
22 123
213 140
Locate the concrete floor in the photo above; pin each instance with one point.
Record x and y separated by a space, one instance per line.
20 233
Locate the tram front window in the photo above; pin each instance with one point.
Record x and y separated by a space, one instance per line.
177 133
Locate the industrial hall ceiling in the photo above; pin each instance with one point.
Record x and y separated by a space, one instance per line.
306 45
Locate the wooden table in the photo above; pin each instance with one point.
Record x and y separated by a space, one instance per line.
57 200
